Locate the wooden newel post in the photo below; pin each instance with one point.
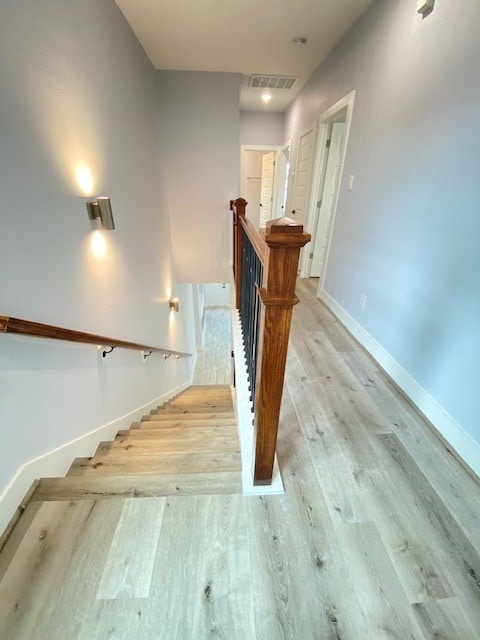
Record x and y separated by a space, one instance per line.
284 238
238 207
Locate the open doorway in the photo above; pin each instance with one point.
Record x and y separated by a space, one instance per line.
263 181
330 158
217 294
214 362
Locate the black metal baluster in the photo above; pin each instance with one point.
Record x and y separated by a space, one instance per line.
250 307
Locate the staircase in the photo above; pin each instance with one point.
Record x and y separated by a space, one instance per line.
188 446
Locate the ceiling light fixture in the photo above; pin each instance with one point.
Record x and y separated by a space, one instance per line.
266 97
299 41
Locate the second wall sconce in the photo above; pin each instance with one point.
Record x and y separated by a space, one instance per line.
101 208
175 304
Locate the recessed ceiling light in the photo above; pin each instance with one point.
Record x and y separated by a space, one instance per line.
266 97
299 41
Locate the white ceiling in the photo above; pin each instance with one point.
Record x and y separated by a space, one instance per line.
242 36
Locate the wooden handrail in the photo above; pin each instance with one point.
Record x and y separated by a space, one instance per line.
256 237
39 330
278 248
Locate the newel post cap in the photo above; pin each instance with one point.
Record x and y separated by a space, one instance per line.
285 232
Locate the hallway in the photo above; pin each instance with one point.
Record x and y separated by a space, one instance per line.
377 536
213 365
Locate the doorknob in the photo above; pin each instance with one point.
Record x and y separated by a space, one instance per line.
260 204
293 211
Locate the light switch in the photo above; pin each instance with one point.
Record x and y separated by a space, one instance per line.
350 182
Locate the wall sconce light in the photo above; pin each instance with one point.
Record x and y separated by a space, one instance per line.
425 7
101 208
175 304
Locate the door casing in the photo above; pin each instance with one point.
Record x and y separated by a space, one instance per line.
325 119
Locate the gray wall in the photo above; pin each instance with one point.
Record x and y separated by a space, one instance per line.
257 127
198 145
408 234
78 91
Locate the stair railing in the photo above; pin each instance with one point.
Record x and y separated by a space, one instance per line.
265 270
39 330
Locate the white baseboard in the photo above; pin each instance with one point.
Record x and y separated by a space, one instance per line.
462 443
243 408
57 462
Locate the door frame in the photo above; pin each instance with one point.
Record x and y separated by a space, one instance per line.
281 172
257 147
318 176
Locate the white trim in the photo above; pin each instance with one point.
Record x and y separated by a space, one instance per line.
318 170
280 178
57 462
451 431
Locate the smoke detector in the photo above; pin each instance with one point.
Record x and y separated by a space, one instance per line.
299 41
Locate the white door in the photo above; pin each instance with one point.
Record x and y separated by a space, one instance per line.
252 182
303 175
329 197
266 194
282 168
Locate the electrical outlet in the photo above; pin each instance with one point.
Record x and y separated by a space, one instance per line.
363 300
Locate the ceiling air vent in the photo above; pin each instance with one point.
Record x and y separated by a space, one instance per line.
272 82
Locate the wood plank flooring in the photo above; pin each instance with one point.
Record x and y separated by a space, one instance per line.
214 364
377 536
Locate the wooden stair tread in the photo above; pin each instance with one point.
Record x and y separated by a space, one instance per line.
162 430
163 436
158 417
166 425
194 406
206 387
150 485
201 397
178 409
170 445
160 463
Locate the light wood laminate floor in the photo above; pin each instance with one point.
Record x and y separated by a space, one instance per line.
214 365
377 536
